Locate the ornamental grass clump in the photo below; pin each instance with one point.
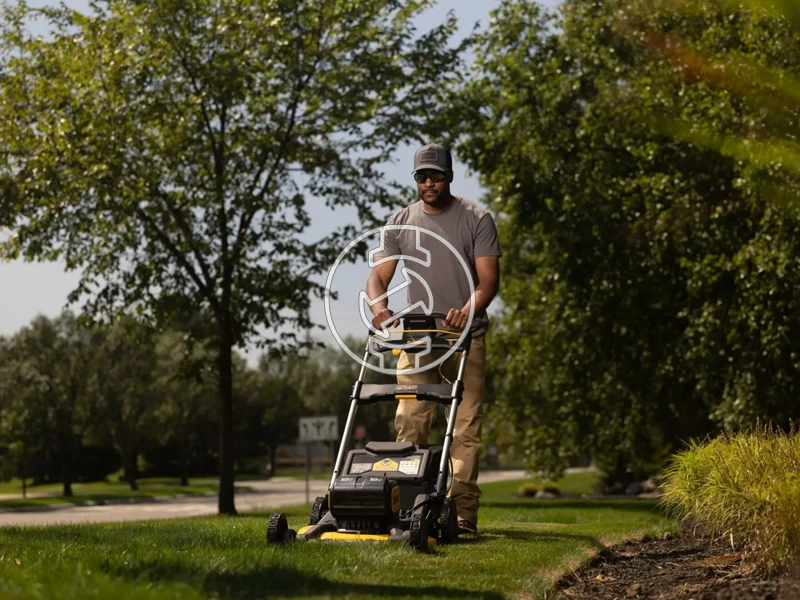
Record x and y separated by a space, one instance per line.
744 486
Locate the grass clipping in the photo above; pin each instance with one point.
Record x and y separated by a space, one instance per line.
746 487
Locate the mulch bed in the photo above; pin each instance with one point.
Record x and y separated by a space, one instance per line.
681 567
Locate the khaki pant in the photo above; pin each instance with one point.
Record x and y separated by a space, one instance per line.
414 419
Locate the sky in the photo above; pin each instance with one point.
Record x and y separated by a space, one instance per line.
30 289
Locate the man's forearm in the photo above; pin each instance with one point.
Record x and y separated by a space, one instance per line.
482 298
375 288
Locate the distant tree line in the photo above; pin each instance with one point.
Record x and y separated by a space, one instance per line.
78 403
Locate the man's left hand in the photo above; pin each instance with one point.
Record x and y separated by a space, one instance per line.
456 319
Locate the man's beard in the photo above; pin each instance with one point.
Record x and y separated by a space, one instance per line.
428 197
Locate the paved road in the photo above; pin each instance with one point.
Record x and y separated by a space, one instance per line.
275 493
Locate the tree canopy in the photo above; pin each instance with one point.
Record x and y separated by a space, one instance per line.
175 153
649 283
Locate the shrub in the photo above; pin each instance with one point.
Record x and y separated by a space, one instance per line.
744 486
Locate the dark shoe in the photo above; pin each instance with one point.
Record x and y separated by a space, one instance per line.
467 528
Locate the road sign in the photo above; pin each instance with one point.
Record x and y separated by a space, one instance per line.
319 429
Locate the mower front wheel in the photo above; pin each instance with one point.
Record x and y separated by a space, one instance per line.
418 532
278 531
318 510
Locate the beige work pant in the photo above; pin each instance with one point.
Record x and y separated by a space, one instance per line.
414 419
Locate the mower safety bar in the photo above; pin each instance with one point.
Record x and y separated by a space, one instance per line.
371 393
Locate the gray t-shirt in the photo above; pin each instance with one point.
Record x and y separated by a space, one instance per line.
469 228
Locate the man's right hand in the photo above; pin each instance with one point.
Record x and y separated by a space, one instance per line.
381 316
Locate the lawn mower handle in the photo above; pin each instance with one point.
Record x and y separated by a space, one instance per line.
420 331
423 318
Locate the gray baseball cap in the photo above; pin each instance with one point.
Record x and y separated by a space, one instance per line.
433 156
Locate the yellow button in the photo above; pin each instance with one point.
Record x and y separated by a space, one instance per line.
396 351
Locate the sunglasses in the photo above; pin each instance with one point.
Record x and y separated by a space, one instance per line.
434 176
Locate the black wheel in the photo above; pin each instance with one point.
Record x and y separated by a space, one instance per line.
418 532
278 531
449 522
319 509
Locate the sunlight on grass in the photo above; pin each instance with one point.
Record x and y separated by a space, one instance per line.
524 545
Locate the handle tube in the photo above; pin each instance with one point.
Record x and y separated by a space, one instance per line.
351 415
458 388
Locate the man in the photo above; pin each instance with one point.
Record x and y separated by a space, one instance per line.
471 230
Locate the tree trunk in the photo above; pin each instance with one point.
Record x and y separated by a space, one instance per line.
186 453
618 476
23 471
225 367
273 460
132 469
66 469
185 473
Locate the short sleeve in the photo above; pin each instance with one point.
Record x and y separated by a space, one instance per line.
487 242
389 237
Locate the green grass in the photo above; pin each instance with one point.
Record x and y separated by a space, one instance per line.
524 546
106 491
744 486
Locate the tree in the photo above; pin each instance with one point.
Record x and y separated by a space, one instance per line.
647 284
744 298
184 386
126 369
54 395
22 413
288 379
155 146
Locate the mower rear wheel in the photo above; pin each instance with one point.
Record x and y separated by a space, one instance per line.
449 522
278 531
418 532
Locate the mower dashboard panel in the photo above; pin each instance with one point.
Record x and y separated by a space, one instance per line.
413 466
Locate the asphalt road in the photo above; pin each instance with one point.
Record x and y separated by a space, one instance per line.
276 493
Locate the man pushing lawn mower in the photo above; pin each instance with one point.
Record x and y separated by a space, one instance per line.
471 231
409 490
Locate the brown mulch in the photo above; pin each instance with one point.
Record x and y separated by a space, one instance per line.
683 567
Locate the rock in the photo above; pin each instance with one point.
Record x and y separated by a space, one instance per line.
649 486
545 495
633 590
633 489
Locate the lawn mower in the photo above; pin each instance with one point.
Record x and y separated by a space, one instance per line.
391 491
